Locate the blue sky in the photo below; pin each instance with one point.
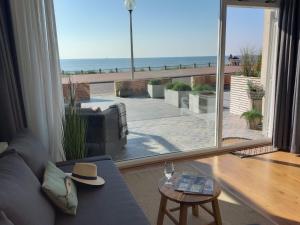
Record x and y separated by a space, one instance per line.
162 28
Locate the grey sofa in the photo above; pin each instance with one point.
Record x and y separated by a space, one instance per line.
103 132
24 203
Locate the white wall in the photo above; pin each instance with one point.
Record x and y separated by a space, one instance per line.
269 56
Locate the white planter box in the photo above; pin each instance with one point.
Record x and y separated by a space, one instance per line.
179 99
156 91
239 99
202 103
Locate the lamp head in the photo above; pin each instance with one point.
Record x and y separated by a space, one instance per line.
129 4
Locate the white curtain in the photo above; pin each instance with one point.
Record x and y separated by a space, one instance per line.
37 51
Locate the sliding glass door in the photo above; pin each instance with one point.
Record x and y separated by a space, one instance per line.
165 86
251 41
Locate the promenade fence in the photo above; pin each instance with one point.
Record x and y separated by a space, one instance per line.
140 69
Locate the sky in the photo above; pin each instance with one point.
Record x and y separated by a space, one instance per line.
161 28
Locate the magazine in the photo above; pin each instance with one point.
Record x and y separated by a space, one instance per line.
193 184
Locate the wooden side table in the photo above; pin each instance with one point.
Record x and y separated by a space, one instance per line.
185 201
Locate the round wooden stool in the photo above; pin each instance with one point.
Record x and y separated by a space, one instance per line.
185 201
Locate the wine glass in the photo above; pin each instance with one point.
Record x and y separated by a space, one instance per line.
169 171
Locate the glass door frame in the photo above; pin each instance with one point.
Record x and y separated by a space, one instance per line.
224 4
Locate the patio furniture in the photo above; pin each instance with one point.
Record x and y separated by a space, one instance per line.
23 202
103 131
185 201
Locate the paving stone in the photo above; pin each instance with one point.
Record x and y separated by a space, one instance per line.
159 128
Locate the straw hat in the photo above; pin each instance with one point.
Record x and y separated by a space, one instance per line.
86 173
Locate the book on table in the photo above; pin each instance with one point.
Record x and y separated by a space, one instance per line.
193 184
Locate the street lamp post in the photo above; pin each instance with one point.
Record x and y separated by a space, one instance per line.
130 4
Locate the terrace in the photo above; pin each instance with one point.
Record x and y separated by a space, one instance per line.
156 127
160 128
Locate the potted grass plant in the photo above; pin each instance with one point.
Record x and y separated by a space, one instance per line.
156 89
74 128
202 99
177 94
253 118
240 100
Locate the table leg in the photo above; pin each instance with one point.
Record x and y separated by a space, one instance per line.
162 209
216 211
183 214
195 210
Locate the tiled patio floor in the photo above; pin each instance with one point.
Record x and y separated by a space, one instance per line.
157 128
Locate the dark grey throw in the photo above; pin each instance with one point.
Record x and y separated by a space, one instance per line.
123 128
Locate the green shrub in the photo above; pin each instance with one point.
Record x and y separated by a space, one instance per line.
169 86
154 82
252 115
203 87
180 86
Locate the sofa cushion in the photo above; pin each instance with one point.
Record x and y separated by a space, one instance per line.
4 220
110 204
3 146
32 151
60 189
21 196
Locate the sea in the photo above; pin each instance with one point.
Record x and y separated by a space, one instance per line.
123 64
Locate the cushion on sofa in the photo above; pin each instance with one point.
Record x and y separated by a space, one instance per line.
32 151
4 220
110 204
21 196
60 189
3 146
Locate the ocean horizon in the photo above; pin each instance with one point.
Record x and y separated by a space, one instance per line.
106 64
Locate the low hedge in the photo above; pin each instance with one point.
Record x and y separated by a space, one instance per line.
203 87
154 82
178 86
169 86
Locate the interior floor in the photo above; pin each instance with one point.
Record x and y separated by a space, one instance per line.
268 183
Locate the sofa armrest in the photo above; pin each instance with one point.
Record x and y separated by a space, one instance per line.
85 160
